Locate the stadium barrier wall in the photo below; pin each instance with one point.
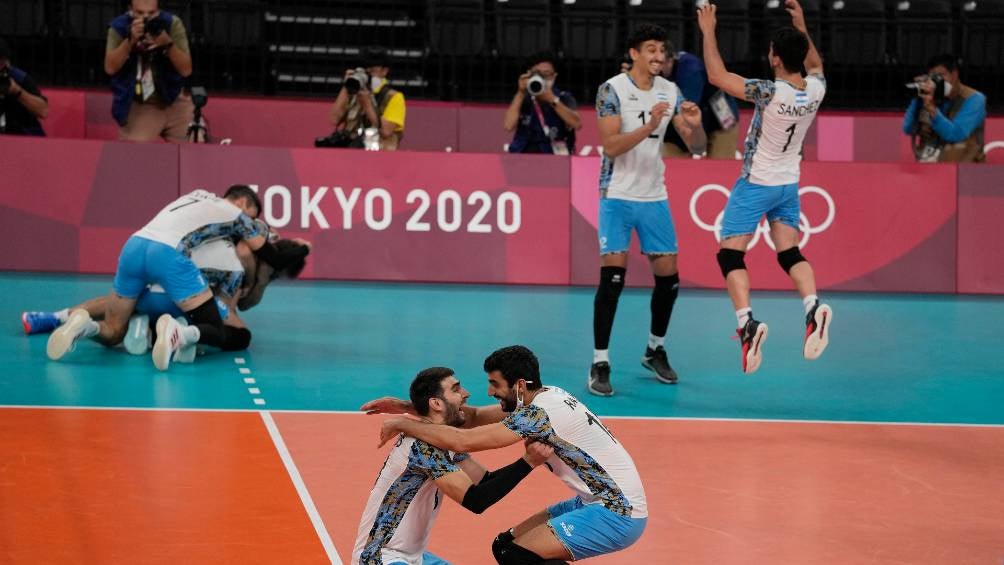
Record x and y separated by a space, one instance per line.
68 205
471 128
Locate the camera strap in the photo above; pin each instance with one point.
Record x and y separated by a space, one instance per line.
558 147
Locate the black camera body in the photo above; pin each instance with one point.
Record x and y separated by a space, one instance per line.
357 80
199 96
939 87
153 26
340 138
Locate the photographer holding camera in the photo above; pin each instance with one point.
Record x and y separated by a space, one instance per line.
946 119
21 102
719 111
148 59
545 118
367 112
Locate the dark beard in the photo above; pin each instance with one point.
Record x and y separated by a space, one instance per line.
508 405
453 417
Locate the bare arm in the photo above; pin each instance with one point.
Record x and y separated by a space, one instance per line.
458 440
474 415
340 107
688 125
495 485
116 57
616 143
568 115
37 105
813 62
718 75
512 112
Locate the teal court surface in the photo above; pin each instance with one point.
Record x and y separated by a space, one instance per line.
889 449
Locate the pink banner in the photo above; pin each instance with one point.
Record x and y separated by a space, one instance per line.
69 205
405 216
865 226
981 208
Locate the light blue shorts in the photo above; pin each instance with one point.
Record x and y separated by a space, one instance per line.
154 303
749 202
651 220
427 559
144 262
588 530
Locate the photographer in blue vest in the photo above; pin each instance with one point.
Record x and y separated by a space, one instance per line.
21 102
543 118
148 59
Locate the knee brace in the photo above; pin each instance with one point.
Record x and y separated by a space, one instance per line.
206 313
611 284
512 554
236 339
500 541
789 258
730 260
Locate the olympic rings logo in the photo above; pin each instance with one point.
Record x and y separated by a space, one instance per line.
763 229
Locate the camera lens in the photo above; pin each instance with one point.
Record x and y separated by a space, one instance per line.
352 85
535 85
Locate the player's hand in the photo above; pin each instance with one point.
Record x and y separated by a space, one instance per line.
707 18
389 430
797 16
658 112
388 405
537 453
691 113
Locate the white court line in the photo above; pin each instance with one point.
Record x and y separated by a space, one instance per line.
653 418
259 401
301 489
239 360
249 381
245 371
254 390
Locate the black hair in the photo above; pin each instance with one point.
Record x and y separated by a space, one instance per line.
646 32
947 60
290 247
4 49
542 57
515 362
427 385
791 46
238 191
376 57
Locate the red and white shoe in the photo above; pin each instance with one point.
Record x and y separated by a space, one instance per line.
169 340
817 330
751 338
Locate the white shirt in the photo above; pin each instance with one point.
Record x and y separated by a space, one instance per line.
587 456
637 174
773 149
403 504
197 217
218 261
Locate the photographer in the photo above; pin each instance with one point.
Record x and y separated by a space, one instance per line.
21 102
719 111
367 112
148 60
946 119
545 118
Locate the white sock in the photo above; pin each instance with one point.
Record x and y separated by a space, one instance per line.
809 302
63 315
190 334
91 329
600 355
655 342
743 315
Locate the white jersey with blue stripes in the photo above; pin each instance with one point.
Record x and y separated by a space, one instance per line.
784 113
195 218
637 174
403 504
587 457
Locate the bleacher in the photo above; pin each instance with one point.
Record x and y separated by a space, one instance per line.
473 50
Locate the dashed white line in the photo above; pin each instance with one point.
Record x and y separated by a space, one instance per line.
239 360
254 390
245 371
259 401
249 381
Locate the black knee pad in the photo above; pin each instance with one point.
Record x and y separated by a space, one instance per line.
500 541
611 283
236 339
730 260
789 258
207 313
512 554
667 284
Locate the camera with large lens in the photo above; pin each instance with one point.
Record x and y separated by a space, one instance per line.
938 90
4 81
339 138
153 27
358 79
535 84
199 96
